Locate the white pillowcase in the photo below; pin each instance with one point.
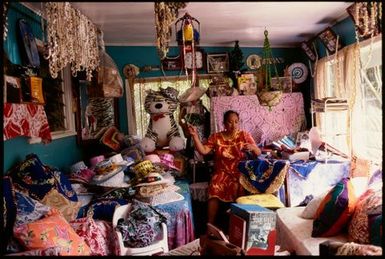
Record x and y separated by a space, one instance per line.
312 206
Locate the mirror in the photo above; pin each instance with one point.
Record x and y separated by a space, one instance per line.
94 114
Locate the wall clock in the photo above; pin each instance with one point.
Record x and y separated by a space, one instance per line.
188 60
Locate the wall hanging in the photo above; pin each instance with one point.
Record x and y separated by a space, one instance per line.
165 15
367 18
269 96
71 39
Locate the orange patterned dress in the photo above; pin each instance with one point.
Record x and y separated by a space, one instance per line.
224 183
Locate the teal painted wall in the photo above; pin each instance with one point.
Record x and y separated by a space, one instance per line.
64 152
59 153
145 56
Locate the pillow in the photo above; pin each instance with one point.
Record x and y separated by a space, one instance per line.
266 200
335 210
102 209
369 206
9 209
375 180
28 209
51 231
111 138
262 175
311 208
96 234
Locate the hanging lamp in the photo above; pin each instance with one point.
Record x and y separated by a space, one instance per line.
269 96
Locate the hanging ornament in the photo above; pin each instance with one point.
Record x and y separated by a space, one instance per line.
269 96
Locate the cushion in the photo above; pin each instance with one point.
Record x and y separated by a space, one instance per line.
311 208
375 180
335 210
266 200
369 205
262 175
9 209
111 138
28 209
95 233
51 231
103 209
359 167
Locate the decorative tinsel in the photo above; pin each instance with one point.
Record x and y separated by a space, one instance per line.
165 14
5 19
266 65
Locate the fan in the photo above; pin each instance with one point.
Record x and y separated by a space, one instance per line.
318 144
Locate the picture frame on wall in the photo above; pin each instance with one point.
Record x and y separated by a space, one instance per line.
310 52
12 89
217 62
329 38
286 83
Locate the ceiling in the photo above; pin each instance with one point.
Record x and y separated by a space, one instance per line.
222 23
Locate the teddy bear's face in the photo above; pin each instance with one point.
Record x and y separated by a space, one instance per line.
157 103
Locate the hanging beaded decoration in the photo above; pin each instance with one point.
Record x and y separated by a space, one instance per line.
5 19
71 39
165 15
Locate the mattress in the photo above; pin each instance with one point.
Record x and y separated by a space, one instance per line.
294 232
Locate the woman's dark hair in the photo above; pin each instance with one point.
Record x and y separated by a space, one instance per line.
227 115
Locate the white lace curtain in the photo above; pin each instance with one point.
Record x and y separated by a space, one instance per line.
139 122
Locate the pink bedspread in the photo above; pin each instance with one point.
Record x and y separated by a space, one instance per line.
263 124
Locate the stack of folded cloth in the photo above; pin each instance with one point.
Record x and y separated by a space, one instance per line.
153 188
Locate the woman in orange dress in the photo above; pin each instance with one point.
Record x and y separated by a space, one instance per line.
230 147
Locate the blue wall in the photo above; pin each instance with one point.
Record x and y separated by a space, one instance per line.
64 152
60 153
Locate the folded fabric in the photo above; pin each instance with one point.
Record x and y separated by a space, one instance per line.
303 168
261 175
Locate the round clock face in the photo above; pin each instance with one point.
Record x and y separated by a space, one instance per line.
188 60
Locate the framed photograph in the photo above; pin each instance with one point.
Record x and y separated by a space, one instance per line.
217 63
329 39
282 83
247 84
309 50
172 63
12 89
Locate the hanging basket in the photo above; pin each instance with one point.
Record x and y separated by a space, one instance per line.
269 98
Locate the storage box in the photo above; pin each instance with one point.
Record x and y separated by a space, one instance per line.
260 232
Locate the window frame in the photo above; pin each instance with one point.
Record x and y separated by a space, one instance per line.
69 114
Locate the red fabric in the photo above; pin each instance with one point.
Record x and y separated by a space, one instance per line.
96 234
28 120
225 181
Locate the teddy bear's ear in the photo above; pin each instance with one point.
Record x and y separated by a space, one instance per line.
170 92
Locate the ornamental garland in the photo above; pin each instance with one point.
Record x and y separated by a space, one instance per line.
165 15
71 39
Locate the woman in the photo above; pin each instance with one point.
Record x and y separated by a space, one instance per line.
230 147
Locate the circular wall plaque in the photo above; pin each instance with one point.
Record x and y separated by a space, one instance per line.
253 61
298 72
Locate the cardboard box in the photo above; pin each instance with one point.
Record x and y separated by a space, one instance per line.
260 233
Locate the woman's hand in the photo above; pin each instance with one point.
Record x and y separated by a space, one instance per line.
251 147
192 130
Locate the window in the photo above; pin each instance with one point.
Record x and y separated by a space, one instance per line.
366 113
58 100
139 95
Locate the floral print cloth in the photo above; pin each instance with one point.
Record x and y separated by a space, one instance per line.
225 180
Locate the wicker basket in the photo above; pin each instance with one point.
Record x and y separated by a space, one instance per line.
270 98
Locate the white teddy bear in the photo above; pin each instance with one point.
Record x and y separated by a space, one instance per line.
162 130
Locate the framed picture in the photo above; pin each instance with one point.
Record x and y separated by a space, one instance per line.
329 39
217 63
247 84
282 83
12 89
309 50
172 63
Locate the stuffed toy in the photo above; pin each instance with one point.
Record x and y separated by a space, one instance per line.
162 130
